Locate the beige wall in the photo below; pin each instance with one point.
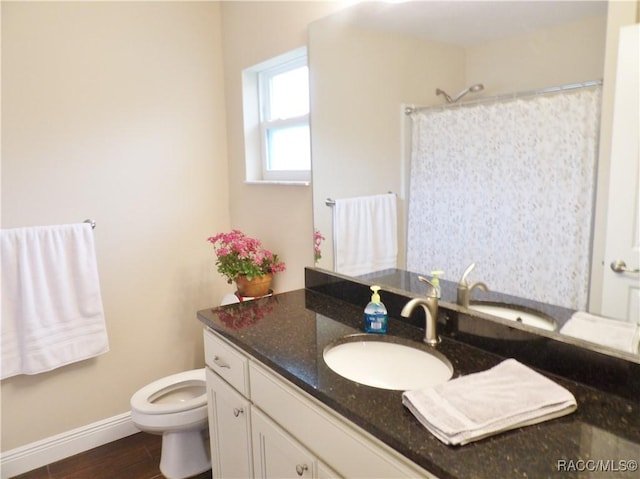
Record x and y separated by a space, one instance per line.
115 111
279 215
570 53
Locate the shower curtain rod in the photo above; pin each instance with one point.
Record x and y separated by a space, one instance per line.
508 96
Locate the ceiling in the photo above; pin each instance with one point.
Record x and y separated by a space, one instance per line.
468 23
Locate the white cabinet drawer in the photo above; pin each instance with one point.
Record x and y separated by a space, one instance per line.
227 362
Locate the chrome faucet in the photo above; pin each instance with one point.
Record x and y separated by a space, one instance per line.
465 289
430 306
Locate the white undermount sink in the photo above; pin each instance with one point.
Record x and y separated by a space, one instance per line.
519 314
387 362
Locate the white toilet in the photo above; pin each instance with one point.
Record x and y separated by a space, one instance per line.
176 407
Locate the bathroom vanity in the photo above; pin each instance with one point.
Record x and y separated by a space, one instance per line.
277 410
264 426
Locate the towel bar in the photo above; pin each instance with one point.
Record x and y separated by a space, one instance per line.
91 222
331 202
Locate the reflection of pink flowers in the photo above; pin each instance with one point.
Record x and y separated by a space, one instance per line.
245 314
239 255
317 241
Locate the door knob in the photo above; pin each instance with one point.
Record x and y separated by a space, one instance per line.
619 266
301 469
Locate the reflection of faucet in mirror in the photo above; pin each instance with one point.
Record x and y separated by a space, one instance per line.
430 306
464 289
472 89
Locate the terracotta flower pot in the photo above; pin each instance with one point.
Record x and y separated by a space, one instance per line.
254 288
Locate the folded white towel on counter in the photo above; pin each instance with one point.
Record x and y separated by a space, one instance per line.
52 312
365 234
507 396
618 334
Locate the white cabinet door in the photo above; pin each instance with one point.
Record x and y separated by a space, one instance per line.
276 455
325 472
230 430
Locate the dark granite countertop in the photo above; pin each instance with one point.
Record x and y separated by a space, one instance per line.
288 332
603 367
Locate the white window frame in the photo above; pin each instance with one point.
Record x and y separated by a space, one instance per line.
256 128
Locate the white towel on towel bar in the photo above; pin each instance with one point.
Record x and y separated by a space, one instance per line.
52 312
365 234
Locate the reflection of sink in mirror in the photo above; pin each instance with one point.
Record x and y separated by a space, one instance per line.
520 314
387 362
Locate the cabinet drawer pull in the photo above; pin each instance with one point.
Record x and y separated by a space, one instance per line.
220 363
301 468
237 411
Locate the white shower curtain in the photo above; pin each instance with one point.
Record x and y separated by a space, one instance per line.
508 185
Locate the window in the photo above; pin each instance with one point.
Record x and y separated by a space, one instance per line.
276 117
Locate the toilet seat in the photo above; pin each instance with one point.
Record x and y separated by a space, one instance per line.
176 408
181 386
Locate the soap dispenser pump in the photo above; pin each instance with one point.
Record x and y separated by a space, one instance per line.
375 314
435 281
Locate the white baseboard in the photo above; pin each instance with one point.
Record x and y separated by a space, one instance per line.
54 448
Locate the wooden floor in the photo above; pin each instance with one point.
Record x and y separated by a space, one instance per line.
134 457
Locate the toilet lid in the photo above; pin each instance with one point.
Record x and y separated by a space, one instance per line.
175 393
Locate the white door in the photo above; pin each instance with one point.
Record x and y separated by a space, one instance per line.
621 288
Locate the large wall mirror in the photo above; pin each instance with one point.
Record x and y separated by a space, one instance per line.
372 59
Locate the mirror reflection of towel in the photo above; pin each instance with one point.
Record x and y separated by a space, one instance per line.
613 333
52 312
365 234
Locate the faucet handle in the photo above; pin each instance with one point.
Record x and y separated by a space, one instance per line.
429 283
463 279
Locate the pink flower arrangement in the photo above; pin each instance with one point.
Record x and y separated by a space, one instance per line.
240 255
317 241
